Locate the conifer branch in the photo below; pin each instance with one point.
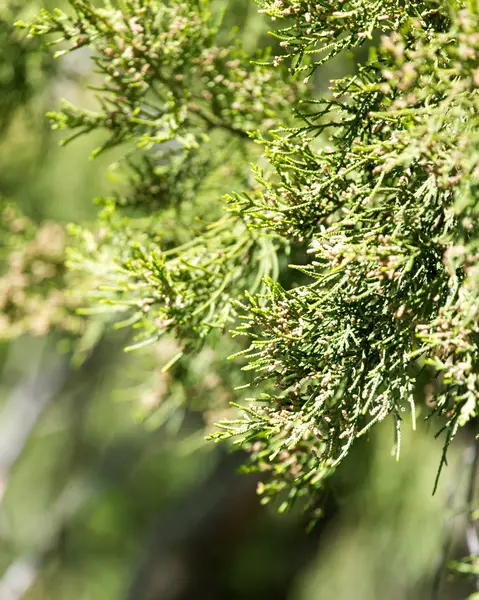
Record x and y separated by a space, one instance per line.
377 178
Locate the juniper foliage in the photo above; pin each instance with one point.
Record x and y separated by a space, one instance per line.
378 178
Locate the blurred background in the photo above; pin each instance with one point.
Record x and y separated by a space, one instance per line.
102 498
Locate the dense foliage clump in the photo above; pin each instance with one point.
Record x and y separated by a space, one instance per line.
371 186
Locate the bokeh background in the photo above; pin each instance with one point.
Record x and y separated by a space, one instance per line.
102 498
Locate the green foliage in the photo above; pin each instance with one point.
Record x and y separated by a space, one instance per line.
161 76
378 178
322 30
389 208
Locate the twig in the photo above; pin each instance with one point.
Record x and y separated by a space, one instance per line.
215 122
